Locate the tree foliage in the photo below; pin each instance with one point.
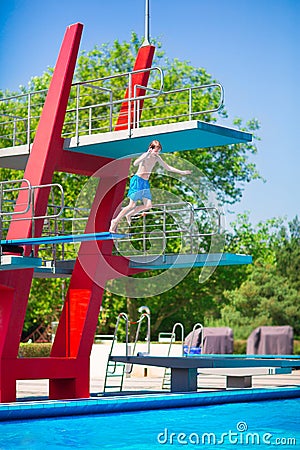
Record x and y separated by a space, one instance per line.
269 295
288 253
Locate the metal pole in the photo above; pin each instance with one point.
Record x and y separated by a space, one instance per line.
77 114
147 20
29 120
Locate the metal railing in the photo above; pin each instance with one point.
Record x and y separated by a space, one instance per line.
128 350
19 117
190 345
188 113
173 337
96 106
169 221
26 209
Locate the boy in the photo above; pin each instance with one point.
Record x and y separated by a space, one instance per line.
139 188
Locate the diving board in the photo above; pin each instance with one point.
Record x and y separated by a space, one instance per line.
189 135
64 268
12 262
180 261
178 136
63 239
184 370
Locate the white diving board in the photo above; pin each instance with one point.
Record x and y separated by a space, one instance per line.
180 136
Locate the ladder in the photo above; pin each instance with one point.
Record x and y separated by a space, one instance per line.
116 371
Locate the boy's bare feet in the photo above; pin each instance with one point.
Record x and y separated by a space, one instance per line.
113 226
128 218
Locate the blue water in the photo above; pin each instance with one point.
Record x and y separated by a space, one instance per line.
265 424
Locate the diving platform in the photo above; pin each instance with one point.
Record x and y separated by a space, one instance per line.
46 269
64 239
13 262
174 137
180 136
64 269
184 370
181 261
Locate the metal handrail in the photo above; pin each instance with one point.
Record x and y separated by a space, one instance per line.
190 113
18 215
201 87
124 316
31 204
61 206
195 327
22 119
173 335
2 191
129 99
180 230
139 322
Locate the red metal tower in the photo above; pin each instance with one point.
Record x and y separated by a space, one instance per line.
68 366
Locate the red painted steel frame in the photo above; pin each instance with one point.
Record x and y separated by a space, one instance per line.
68 366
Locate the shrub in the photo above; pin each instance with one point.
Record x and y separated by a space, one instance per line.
296 347
34 350
239 346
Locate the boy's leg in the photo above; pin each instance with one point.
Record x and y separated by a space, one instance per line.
114 223
147 204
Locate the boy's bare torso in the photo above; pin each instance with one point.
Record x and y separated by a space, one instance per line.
146 166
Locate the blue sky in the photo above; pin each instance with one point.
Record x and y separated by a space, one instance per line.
250 46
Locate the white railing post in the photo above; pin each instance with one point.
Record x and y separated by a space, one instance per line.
77 114
129 104
28 120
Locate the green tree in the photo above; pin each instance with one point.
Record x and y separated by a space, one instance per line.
269 292
265 298
45 303
288 253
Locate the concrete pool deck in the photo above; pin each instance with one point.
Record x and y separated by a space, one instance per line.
149 379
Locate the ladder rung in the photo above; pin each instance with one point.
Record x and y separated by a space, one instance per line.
113 386
110 375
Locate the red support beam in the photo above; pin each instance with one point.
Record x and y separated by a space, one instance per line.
15 285
143 61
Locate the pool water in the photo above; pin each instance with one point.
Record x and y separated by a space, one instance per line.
265 424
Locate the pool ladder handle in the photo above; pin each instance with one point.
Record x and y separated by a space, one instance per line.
166 384
126 368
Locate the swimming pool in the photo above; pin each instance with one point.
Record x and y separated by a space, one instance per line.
261 424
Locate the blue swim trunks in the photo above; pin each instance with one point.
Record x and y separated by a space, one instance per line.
139 189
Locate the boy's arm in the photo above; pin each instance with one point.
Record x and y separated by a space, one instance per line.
141 158
171 168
